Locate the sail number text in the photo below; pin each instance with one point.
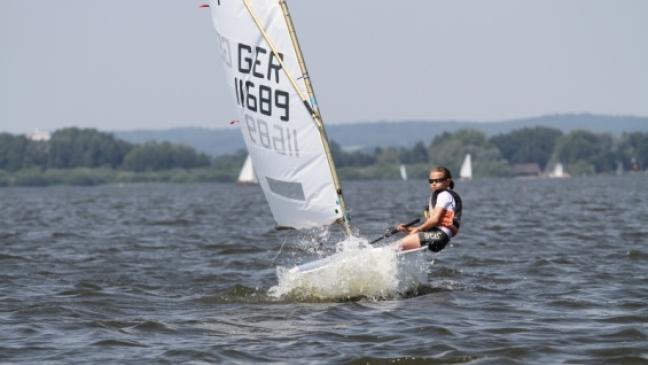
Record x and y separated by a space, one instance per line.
278 138
257 73
257 97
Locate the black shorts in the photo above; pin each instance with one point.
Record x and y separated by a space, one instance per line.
435 239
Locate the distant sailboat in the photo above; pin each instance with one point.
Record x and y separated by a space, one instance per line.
403 172
465 173
619 169
558 172
247 175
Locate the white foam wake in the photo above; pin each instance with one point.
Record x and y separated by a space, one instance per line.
356 269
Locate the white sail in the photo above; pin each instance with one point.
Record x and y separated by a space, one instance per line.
277 113
465 172
247 175
558 171
403 172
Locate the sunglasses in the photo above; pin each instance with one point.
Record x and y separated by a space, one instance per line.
433 181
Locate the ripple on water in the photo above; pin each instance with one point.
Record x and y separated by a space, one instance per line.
236 294
83 289
629 334
118 343
637 255
152 327
8 257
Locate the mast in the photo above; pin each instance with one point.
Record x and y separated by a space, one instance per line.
310 103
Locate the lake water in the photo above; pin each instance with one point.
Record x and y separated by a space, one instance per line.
543 272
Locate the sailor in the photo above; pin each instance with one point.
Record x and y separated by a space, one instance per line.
442 218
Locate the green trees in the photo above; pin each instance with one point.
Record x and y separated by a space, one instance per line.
74 147
528 145
154 156
634 147
87 157
18 152
587 152
355 158
449 149
418 154
581 152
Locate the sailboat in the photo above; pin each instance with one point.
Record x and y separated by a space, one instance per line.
403 172
558 172
247 175
465 173
280 119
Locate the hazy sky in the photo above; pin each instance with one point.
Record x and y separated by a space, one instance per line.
151 64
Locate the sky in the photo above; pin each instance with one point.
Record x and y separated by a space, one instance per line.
153 64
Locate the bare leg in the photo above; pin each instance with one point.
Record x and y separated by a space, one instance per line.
409 242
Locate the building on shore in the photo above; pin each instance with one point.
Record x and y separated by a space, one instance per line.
527 170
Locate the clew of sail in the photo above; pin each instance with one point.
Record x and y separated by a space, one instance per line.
279 118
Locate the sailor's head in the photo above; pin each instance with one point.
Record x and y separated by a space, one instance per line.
440 178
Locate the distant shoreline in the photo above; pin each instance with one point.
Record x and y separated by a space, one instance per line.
86 157
80 177
99 176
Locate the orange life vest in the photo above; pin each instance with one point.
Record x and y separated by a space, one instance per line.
449 219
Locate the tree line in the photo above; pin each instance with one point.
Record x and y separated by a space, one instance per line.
27 162
580 151
89 148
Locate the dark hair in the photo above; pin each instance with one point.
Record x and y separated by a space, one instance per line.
446 174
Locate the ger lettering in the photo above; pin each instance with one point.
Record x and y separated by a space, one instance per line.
258 62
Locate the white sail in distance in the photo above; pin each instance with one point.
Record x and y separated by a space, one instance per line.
403 172
559 171
247 175
277 114
465 172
